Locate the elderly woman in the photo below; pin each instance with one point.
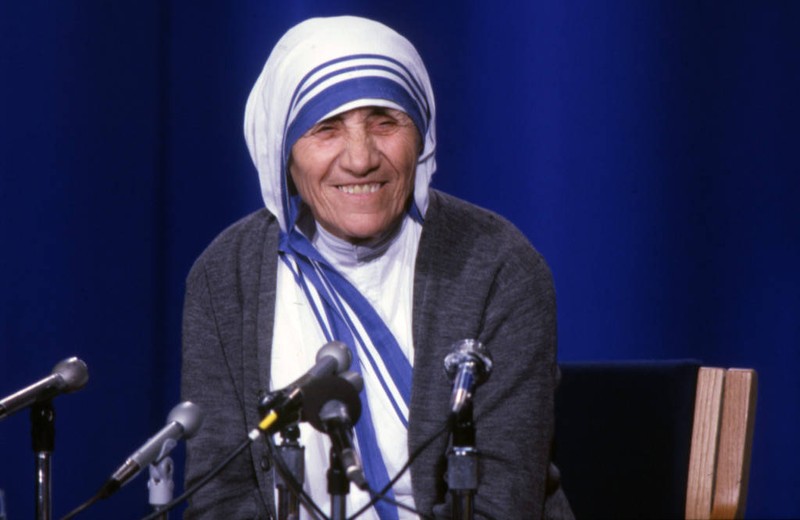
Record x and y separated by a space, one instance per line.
354 246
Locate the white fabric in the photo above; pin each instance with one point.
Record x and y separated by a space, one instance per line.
386 281
303 48
315 57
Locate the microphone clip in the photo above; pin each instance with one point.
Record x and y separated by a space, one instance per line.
286 404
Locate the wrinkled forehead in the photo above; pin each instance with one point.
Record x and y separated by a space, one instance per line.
335 65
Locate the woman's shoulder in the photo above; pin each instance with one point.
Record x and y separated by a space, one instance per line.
248 228
461 224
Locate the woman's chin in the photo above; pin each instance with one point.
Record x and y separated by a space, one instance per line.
361 231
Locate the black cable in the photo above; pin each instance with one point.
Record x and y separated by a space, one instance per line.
85 505
200 483
382 494
311 507
277 458
108 489
375 497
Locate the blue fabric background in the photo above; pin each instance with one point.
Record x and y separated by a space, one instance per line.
648 149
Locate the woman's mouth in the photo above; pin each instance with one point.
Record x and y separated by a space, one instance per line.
359 189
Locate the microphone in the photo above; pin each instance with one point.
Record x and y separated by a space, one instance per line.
183 421
68 375
332 358
332 406
468 364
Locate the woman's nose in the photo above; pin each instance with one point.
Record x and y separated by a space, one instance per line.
360 155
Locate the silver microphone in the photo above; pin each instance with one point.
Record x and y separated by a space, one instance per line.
183 422
68 375
468 364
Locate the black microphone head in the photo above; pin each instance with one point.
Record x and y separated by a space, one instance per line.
73 372
188 415
339 351
469 350
354 378
325 389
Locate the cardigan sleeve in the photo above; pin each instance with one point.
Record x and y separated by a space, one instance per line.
481 279
208 380
514 412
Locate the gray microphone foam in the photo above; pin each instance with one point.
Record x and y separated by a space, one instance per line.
73 372
338 351
188 415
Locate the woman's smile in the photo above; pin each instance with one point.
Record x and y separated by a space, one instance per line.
355 171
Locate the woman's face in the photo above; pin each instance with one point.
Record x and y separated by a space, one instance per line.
356 171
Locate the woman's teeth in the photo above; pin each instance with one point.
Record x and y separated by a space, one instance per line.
360 189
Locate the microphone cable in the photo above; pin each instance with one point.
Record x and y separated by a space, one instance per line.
254 434
202 482
263 426
97 496
311 506
186 494
381 495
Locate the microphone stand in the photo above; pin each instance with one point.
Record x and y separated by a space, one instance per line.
462 465
338 486
293 454
43 434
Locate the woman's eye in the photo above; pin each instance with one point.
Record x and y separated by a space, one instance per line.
323 129
384 123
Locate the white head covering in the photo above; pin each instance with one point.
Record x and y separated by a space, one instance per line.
323 67
319 68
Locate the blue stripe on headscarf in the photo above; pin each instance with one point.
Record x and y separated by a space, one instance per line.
408 78
334 290
344 92
401 79
407 93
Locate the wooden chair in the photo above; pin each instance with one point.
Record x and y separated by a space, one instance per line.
722 439
655 439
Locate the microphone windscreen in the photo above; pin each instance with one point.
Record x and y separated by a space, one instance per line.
188 415
320 391
338 352
73 372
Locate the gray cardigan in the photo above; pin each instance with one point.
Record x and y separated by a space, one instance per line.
476 277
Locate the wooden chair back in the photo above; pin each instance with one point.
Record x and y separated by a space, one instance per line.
655 439
722 440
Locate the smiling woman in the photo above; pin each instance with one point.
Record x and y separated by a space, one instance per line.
355 171
354 246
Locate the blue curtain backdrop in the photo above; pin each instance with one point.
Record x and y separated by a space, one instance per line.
648 149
